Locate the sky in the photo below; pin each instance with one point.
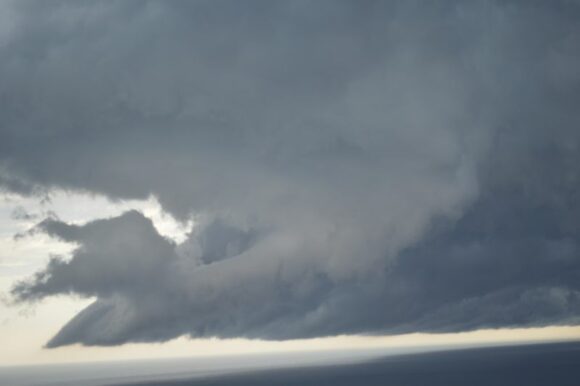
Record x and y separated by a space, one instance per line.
186 175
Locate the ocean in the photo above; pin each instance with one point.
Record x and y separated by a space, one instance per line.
553 364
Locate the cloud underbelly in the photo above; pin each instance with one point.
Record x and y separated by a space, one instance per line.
349 168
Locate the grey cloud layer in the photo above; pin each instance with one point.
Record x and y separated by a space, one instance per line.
353 167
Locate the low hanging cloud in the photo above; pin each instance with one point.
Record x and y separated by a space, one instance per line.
375 167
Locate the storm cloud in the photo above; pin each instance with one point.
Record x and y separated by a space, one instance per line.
351 167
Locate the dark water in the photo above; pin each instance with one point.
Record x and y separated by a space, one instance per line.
542 364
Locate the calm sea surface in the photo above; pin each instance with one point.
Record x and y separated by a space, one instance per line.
555 364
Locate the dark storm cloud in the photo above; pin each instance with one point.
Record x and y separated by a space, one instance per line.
352 167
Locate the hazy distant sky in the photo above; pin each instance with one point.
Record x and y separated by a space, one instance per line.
289 169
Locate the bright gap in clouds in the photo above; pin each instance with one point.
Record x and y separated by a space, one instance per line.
24 212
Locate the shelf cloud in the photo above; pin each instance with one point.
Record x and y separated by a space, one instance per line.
351 167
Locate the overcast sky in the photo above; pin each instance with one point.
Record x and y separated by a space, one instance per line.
288 170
